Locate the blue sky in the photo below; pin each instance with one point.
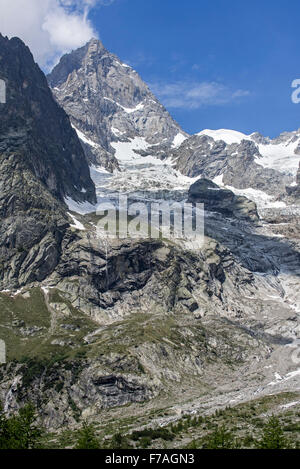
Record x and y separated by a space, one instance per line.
214 64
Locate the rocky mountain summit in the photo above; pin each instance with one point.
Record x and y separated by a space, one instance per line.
122 126
241 162
108 102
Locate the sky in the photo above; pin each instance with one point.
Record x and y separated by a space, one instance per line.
213 64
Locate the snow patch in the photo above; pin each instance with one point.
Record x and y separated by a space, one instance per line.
139 107
117 132
79 207
291 404
84 139
228 136
289 376
77 225
178 140
11 293
125 150
219 180
281 157
262 199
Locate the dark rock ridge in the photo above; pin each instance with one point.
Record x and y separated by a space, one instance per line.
222 201
41 162
33 123
108 102
32 224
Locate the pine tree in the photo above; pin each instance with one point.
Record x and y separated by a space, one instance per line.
21 430
119 441
87 438
273 436
221 439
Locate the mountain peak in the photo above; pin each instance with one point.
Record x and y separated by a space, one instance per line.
108 103
95 40
42 131
94 45
226 135
74 60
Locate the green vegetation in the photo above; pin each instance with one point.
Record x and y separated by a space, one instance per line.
245 426
221 439
216 431
31 328
21 430
86 438
144 438
273 436
119 441
32 322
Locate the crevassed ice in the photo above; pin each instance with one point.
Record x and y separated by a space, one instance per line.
79 207
280 157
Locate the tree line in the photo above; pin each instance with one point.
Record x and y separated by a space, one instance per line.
22 431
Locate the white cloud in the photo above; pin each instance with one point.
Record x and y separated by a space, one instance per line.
49 27
193 95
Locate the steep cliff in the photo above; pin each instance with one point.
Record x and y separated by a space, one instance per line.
108 102
41 163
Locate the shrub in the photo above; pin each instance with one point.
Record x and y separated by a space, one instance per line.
20 431
220 439
273 436
87 438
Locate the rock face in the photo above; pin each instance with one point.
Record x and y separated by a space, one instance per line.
34 125
293 192
41 163
99 323
120 322
108 102
222 201
237 164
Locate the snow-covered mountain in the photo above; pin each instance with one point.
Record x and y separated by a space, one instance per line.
259 168
281 153
110 106
133 145
138 323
